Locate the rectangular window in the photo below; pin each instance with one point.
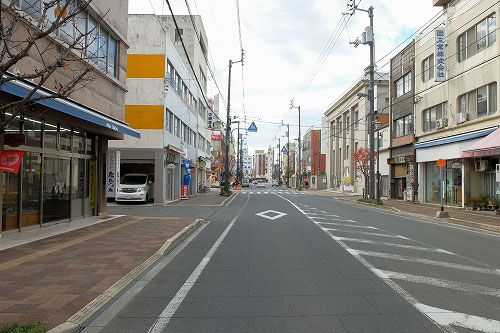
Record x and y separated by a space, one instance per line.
492 98
67 33
177 125
428 68
168 124
462 47
203 80
492 32
92 39
398 88
399 128
408 125
348 124
103 49
178 84
178 34
407 82
356 119
481 41
32 8
462 105
112 56
429 119
482 101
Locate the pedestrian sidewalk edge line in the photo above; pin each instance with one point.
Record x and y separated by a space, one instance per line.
77 319
466 223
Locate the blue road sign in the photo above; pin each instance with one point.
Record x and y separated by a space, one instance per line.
283 150
253 127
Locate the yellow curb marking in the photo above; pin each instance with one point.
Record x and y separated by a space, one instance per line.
39 254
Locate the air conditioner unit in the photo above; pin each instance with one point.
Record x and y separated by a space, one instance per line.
460 118
442 122
481 165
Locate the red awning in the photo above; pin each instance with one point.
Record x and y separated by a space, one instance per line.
487 146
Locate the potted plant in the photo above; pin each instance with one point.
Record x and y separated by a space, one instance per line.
475 203
483 201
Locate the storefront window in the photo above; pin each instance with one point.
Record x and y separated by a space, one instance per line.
90 191
90 144
78 141
65 137
31 188
33 131
10 204
432 183
50 134
56 189
77 187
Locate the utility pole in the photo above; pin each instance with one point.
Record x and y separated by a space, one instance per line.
368 38
228 126
279 161
288 157
300 153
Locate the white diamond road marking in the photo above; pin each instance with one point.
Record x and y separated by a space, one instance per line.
271 214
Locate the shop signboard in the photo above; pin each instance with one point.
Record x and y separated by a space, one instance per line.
10 160
440 54
184 192
112 173
216 135
92 184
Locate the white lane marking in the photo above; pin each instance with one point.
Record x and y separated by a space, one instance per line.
366 233
169 311
429 262
447 318
271 214
347 225
403 246
442 283
393 285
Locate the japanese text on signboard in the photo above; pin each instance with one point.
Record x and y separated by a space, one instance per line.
440 52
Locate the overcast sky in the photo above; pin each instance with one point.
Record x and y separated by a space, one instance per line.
283 40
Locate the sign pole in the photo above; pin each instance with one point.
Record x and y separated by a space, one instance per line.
441 163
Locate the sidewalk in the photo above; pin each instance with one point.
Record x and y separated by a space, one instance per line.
51 279
479 219
212 198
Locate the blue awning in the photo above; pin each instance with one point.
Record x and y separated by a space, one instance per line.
22 88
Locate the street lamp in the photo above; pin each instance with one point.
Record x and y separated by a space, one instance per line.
377 124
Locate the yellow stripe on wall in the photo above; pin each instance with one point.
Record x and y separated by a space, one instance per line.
146 66
144 116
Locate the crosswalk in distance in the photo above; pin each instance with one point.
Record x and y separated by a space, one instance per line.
264 191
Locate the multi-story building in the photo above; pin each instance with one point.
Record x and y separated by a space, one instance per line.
262 162
314 161
403 175
456 87
247 162
382 147
62 176
218 143
190 37
348 130
161 102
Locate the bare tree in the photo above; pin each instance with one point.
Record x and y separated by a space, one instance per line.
51 49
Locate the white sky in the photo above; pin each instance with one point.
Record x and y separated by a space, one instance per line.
283 40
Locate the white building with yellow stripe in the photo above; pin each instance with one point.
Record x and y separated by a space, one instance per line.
162 103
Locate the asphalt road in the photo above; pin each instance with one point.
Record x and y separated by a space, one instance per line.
280 260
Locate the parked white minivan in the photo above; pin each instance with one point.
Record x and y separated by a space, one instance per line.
135 187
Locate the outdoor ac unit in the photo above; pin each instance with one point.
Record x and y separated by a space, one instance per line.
460 118
481 165
442 123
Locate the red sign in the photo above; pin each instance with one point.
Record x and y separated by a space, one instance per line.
216 135
184 192
441 163
10 160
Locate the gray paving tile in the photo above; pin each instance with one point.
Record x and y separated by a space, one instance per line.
129 325
143 307
330 305
388 323
207 325
217 289
283 288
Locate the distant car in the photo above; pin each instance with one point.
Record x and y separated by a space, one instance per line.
245 182
135 187
261 184
275 183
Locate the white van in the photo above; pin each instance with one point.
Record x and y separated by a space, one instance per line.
135 187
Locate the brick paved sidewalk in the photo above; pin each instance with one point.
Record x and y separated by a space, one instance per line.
212 198
51 279
480 219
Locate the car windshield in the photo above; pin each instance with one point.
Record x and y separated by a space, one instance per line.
133 180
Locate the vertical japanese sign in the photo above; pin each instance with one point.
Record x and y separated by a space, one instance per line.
92 182
210 115
112 173
216 104
440 53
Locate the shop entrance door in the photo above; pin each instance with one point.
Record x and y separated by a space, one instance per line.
400 187
56 184
170 184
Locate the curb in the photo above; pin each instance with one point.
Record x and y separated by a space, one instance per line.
74 322
451 220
